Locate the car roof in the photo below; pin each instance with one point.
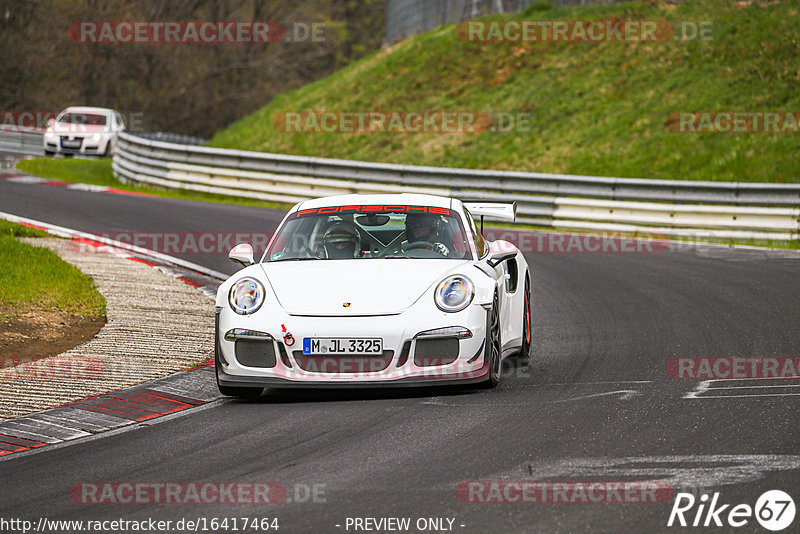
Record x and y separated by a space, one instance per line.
84 109
389 199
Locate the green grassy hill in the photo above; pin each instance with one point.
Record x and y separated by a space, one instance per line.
35 278
596 108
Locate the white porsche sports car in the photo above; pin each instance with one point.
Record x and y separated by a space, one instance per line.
374 290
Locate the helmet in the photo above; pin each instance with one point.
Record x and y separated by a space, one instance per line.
416 222
341 241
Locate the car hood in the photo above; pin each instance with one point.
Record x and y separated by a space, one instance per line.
370 287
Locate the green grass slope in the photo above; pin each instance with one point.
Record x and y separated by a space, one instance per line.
596 108
36 278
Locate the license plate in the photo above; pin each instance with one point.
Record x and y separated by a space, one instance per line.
71 143
342 345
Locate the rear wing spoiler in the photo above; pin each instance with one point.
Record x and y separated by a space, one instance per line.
506 211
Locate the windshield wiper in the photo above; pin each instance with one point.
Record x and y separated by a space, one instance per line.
298 259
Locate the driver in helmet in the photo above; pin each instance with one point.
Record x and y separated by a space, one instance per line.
425 228
341 241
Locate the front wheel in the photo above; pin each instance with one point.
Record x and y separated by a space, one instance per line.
493 345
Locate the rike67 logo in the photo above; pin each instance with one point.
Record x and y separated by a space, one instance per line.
774 510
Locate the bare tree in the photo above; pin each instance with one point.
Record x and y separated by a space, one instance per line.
188 88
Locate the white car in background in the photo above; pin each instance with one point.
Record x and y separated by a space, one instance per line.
83 130
374 290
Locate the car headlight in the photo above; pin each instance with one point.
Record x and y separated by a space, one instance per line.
96 138
246 296
49 135
454 293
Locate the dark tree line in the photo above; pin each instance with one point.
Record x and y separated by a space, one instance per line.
187 88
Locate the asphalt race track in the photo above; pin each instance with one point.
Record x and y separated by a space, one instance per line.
597 404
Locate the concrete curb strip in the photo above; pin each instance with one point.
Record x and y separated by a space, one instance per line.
157 325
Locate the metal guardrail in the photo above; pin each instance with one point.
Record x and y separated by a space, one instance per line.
722 209
21 142
169 137
30 141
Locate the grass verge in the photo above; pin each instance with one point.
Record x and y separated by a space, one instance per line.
35 278
9 229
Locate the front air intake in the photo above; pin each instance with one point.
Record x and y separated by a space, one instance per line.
255 353
435 351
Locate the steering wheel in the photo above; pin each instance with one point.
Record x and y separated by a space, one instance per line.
420 244
423 245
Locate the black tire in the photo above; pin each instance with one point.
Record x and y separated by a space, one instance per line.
523 357
494 345
49 153
242 393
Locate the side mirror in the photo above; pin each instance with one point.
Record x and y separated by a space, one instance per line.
243 254
51 123
497 258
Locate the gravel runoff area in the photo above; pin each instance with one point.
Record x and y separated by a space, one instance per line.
157 325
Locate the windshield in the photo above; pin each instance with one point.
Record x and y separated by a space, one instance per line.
83 118
370 232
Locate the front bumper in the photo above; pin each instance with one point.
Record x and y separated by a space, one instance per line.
399 334
87 147
474 377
